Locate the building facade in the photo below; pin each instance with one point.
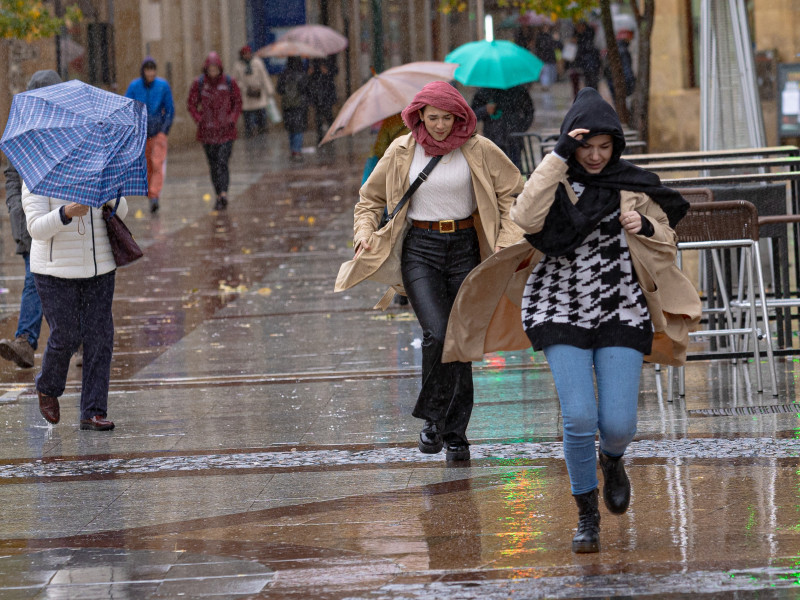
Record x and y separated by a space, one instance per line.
107 47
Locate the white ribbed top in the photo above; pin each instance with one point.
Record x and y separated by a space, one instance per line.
447 194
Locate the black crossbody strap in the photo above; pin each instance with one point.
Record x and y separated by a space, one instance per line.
423 176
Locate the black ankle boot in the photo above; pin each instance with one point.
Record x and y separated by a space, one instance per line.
616 485
587 538
430 439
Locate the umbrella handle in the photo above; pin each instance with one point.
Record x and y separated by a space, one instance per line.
116 204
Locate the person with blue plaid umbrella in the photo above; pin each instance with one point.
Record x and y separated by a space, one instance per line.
77 148
74 271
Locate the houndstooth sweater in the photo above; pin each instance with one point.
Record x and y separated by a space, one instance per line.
588 298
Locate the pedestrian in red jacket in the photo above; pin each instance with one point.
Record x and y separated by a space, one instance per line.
215 103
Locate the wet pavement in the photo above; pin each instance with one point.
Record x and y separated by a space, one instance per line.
264 446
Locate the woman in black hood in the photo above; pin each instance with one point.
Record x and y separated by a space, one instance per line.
605 228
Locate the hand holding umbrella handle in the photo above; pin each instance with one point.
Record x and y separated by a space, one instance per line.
73 209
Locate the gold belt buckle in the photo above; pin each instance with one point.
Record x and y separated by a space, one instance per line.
448 226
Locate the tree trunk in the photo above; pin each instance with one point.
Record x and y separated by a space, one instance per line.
614 63
641 102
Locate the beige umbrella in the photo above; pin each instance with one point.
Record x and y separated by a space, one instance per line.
321 37
283 48
385 95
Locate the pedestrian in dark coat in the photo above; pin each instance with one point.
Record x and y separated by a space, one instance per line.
624 38
21 349
504 112
587 59
215 104
293 88
545 48
322 92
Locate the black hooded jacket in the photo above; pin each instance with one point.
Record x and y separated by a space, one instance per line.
567 225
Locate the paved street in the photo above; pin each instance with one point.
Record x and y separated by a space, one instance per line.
264 446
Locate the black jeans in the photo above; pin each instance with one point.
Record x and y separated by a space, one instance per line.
218 156
78 311
433 266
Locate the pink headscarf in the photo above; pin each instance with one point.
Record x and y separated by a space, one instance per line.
443 96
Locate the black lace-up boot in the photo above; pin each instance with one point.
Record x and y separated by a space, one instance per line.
587 538
616 485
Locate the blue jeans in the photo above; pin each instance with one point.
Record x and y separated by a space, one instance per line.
613 411
548 74
296 142
78 311
30 307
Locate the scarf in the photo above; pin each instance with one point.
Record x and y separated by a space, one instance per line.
443 96
568 224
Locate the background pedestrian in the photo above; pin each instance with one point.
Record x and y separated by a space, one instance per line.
605 228
504 112
438 239
624 38
587 61
322 92
391 128
21 349
156 94
215 103
294 91
252 77
545 47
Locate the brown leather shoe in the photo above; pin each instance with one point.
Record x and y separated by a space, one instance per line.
97 423
48 406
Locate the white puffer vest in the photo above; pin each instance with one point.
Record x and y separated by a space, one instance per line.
61 250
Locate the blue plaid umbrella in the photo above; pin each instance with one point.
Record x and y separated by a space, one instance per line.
77 142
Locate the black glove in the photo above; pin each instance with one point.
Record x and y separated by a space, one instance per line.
647 229
566 145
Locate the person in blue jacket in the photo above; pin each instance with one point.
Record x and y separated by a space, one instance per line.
157 95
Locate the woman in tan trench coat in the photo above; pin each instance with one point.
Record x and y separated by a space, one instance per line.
596 289
457 217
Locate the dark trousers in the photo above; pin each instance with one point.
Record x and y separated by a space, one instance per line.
218 156
433 266
78 311
255 121
323 115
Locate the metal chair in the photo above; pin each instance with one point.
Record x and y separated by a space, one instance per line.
697 194
531 154
721 225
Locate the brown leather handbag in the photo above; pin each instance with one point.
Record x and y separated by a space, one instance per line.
123 246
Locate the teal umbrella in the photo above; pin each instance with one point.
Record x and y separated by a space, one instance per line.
497 64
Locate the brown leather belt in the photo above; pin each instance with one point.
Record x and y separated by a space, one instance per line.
447 226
